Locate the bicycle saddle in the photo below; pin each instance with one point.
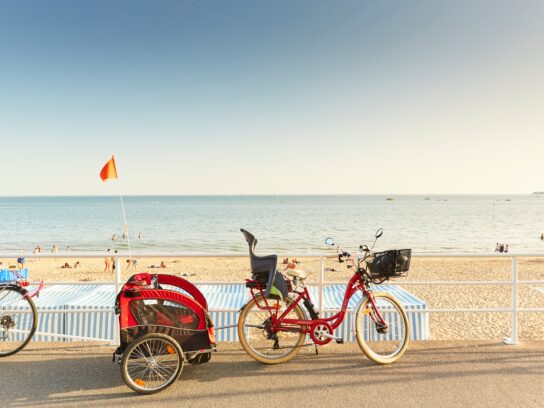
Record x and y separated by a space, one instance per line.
296 273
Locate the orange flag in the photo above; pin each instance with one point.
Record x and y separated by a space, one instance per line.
109 171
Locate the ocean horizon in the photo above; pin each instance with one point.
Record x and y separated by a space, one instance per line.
283 223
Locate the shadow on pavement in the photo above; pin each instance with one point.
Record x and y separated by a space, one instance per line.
74 379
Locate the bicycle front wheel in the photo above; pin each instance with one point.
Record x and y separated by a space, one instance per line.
382 328
260 341
18 319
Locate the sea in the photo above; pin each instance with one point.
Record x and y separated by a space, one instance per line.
284 224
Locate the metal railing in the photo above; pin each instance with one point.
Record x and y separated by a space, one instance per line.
514 282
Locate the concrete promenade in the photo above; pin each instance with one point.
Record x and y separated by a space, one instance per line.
431 374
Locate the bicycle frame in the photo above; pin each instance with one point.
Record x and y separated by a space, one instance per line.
280 323
36 292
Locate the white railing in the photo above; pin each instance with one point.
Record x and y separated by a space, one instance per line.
514 282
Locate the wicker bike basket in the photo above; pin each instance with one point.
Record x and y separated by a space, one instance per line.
390 264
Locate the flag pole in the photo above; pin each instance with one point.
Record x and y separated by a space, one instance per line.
109 171
126 225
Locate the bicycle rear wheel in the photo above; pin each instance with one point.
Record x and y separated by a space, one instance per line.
382 343
18 319
260 342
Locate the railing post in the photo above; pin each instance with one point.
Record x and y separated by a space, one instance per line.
118 283
321 271
513 339
117 275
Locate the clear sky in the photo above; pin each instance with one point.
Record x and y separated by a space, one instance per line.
256 97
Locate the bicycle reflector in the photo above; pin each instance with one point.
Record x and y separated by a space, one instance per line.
211 334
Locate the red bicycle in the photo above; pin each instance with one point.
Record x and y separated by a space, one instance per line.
273 326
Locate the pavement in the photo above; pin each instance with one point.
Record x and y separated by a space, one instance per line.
430 374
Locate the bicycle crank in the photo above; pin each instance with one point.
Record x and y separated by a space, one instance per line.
321 333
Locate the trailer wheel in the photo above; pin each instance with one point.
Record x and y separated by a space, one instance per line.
151 363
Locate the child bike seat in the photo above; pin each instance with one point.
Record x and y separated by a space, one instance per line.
261 265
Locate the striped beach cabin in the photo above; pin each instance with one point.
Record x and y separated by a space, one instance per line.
78 312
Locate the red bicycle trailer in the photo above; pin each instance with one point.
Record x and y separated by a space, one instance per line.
164 324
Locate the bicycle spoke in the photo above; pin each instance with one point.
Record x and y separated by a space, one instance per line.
382 330
155 365
262 339
17 320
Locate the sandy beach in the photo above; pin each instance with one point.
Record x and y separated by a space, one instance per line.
443 326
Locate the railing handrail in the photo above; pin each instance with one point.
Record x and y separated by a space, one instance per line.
240 255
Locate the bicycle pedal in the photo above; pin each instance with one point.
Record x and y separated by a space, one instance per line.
339 341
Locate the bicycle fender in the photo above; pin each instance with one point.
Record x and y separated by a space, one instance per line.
16 287
245 304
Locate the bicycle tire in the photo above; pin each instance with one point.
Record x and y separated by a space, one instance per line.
23 294
366 344
135 379
260 356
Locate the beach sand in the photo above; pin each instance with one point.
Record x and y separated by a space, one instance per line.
443 326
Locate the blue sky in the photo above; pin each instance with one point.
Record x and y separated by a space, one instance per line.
272 97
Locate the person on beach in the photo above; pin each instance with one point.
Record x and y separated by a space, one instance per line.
131 265
77 265
290 265
36 251
542 237
501 248
113 262
139 235
107 261
506 248
66 266
113 237
20 262
162 265
497 247
54 250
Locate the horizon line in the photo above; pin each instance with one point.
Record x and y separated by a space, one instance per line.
272 195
